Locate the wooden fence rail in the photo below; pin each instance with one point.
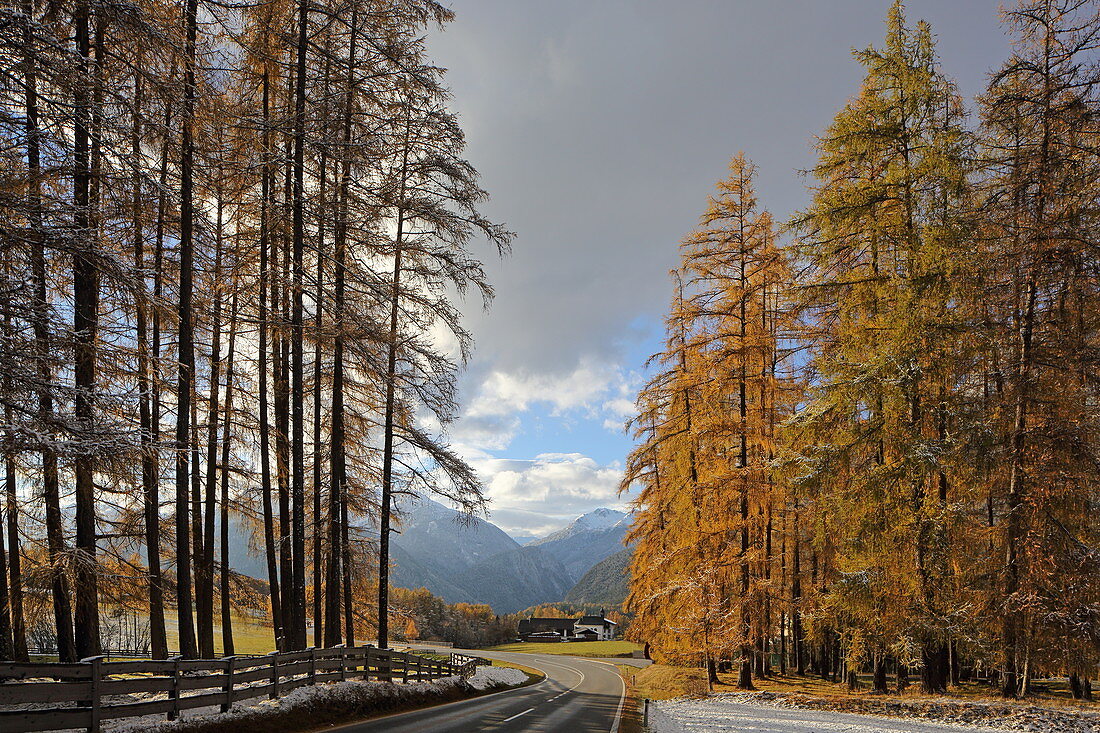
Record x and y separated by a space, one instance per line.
176 684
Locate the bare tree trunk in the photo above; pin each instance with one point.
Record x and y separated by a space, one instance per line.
85 326
317 524
227 617
391 380
204 575
337 478
50 491
265 430
150 472
15 568
184 599
297 397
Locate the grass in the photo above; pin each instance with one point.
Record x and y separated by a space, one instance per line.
661 682
249 637
572 648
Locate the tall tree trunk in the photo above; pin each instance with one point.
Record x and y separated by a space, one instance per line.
317 525
1014 526
15 568
227 617
797 636
186 376
85 326
337 471
204 575
265 429
297 397
40 323
150 472
388 439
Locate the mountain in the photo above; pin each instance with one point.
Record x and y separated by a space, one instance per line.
587 540
427 530
471 561
524 539
606 583
517 579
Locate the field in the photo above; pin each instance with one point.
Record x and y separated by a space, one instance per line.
249 637
572 648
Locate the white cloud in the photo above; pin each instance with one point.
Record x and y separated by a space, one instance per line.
539 495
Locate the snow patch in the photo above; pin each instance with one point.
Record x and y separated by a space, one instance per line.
796 713
486 678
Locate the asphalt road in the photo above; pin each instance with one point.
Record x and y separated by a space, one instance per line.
577 696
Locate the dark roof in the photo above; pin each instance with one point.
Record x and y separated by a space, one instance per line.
595 620
546 623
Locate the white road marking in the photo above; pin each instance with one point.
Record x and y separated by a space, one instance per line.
517 715
622 697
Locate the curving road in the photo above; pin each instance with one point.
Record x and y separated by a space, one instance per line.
578 696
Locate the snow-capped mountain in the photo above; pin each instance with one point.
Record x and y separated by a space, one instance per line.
587 540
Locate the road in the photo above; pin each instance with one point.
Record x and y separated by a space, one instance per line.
577 696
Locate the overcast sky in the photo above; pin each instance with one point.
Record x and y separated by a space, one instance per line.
599 128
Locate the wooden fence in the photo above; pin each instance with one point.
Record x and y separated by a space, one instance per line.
178 684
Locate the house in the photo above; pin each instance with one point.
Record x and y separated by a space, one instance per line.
586 628
540 627
603 628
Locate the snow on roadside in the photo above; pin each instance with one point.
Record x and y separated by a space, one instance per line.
487 678
793 713
335 694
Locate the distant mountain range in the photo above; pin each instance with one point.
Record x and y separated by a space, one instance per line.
477 562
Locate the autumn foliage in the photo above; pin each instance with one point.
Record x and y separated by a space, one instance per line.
871 448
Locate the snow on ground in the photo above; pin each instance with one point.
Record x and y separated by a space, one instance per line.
768 713
302 698
489 677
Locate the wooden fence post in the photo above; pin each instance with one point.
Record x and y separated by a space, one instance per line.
313 665
366 663
230 664
96 669
274 674
405 667
343 662
174 693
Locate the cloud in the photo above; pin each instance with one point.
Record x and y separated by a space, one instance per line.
539 495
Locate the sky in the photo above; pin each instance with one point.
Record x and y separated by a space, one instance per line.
599 128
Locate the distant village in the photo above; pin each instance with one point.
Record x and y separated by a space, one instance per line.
585 628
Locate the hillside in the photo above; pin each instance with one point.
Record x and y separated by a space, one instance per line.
514 580
587 540
605 583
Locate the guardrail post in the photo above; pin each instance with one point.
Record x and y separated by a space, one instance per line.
230 663
274 674
313 665
96 669
174 693
645 713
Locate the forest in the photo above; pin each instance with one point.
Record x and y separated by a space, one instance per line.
235 240
870 442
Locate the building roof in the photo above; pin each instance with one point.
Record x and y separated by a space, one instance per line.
546 623
595 620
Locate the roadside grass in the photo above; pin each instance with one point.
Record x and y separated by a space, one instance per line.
617 648
631 722
662 682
